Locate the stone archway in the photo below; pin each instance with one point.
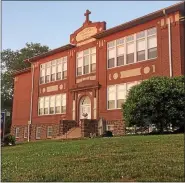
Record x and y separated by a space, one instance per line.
85 107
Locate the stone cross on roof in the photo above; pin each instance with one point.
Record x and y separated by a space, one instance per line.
87 13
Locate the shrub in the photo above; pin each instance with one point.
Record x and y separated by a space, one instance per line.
9 139
158 100
107 134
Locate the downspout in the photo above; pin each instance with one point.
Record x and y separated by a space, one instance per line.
169 42
31 103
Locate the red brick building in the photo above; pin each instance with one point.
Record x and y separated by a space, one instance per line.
93 73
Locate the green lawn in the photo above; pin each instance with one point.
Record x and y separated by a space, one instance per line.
129 158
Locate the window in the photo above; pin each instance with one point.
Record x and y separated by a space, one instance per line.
53 70
117 94
110 128
46 105
133 48
38 132
25 132
86 61
54 104
49 132
17 131
41 106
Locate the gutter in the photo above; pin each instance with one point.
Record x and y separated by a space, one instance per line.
169 43
31 103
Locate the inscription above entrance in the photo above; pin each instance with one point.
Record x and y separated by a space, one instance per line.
86 33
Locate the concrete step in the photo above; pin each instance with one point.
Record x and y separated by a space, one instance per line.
71 134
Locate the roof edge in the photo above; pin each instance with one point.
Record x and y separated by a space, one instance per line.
18 72
51 52
140 20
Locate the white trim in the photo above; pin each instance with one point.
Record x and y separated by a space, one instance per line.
38 137
17 131
89 56
135 48
25 131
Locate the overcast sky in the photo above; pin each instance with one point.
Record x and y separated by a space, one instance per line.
51 23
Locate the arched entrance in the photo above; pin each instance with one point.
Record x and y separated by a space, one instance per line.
85 107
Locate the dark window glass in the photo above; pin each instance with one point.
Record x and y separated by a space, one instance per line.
111 63
42 80
63 109
152 53
45 110
111 104
141 55
120 60
58 75
79 71
41 111
130 58
51 110
47 79
53 77
57 110
64 74
119 103
93 67
86 69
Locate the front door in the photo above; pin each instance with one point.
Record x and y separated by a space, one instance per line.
85 108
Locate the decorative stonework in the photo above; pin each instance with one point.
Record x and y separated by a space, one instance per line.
61 86
86 33
90 93
146 70
85 42
115 75
52 88
130 73
86 78
43 90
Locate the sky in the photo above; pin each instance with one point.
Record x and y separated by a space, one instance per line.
51 22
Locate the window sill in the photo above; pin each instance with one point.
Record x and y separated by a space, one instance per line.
51 114
132 63
52 82
85 74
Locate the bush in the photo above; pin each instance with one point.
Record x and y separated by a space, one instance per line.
158 100
9 139
107 134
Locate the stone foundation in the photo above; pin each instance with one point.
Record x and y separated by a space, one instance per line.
66 125
116 126
89 126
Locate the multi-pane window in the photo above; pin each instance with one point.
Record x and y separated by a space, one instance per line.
133 48
25 132
53 70
86 61
117 94
49 131
55 104
38 132
17 131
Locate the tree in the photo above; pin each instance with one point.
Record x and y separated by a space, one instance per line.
159 101
11 62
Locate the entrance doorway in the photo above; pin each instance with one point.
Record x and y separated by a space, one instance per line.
85 107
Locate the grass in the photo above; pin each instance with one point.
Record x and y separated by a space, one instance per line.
129 158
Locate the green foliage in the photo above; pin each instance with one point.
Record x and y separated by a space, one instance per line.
158 100
9 139
11 62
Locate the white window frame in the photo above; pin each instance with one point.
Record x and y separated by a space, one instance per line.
90 60
55 63
116 86
17 131
49 130
135 48
61 104
38 128
25 132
